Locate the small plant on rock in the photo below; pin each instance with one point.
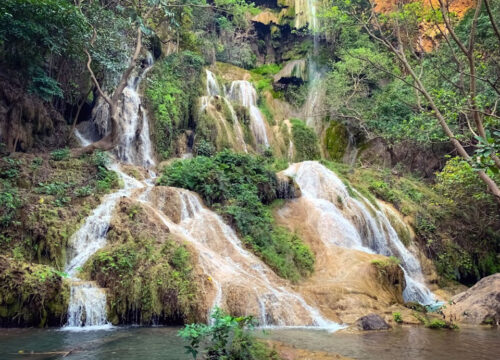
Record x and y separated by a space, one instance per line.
397 317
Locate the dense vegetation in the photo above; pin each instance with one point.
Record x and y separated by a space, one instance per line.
173 86
43 200
239 187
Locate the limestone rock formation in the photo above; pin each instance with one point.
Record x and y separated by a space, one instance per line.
372 322
478 305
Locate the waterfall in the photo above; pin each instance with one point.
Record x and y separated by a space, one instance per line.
243 93
87 305
214 90
134 146
237 274
350 222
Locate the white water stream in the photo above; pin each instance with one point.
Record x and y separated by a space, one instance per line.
214 90
355 223
243 93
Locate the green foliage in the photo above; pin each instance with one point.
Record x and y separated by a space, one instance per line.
172 88
397 317
32 30
305 141
10 201
227 337
59 154
296 94
106 179
42 202
204 148
267 69
436 324
84 191
148 273
239 186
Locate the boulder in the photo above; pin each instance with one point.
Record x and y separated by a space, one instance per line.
478 305
372 322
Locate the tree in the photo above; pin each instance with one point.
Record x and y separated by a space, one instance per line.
398 33
140 13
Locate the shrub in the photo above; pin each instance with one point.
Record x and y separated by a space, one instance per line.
227 337
174 84
397 317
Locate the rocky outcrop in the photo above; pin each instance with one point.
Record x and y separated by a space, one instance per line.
414 158
372 322
266 18
287 188
294 71
27 122
478 305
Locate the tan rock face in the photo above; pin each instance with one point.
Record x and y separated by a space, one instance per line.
478 305
346 285
266 18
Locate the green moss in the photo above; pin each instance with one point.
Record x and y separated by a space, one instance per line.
52 198
335 141
382 263
31 295
148 272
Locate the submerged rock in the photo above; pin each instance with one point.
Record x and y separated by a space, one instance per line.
478 305
372 322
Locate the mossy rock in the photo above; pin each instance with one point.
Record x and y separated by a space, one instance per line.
31 295
335 141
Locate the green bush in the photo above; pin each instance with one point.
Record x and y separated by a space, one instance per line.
240 186
397 317
227 337
10 201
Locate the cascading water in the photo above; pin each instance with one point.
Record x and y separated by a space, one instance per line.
237 274
316 92
213 90
345 221
87 305
134 146
243 93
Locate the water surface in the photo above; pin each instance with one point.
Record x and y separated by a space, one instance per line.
415 343
139 343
